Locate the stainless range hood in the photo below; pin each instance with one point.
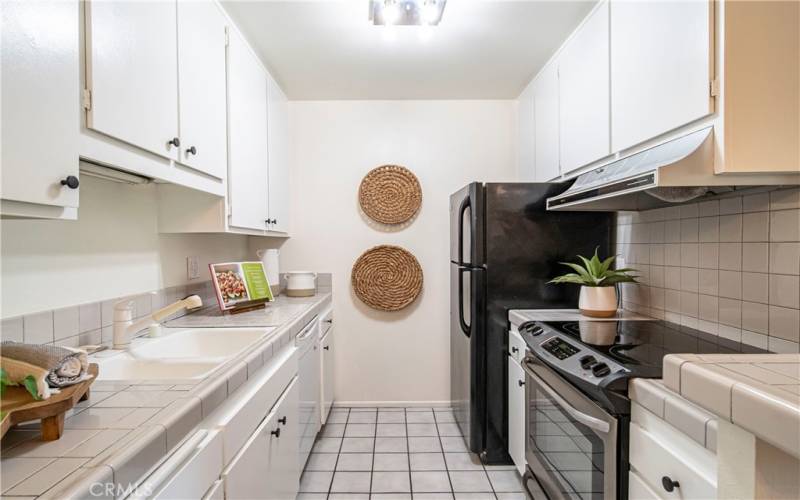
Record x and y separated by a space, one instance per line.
676 171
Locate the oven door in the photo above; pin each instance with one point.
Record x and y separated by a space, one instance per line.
571 444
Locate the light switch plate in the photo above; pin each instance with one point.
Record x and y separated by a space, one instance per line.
192 267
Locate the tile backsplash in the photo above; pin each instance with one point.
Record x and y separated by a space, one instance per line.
91 323
729 267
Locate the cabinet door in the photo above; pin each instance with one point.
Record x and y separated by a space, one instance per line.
132 71
201 73
247 137
278 142
327 374
526 166
247 476
583 75
660 68
284 460
40 100
266 466
516 414
545 124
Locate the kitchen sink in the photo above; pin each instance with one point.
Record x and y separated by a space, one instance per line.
179 354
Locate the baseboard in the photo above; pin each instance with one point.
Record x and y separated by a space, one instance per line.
393 404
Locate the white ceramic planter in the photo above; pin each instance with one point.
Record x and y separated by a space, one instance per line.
598 301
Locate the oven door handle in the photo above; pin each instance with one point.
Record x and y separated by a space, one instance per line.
587 420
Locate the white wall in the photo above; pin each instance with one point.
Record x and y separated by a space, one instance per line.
113 249
400 356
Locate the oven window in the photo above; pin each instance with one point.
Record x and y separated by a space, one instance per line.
572 452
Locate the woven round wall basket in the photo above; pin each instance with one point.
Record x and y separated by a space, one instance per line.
387 278
390 194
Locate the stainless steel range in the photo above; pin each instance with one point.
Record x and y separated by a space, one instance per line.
578 411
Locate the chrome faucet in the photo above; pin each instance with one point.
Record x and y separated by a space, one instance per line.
125 327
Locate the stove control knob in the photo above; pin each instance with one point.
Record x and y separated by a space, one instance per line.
587 361
536 331
601 370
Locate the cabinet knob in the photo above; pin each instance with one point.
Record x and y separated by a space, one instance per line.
521 382
191 151
71 182
669 484
276 432
282 421
515 350
175 142
274 221
327 348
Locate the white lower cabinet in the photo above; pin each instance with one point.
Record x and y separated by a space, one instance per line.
659 451
267 466
326 359
516 414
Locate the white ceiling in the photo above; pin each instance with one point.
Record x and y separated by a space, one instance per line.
483 49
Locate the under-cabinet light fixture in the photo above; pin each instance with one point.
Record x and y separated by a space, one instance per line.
406 12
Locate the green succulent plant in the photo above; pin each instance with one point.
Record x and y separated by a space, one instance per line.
595 272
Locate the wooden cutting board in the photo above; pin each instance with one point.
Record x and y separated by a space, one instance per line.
19 406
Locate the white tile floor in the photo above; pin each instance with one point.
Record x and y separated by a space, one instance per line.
400 454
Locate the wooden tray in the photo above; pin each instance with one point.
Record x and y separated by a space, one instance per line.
19 406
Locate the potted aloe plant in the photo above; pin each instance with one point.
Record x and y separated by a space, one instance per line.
598 296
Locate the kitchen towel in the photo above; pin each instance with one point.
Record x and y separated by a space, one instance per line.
51 366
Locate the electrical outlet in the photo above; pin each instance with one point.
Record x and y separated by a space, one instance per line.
193 267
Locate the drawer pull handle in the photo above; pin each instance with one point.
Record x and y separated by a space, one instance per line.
669 484
282 421
276 432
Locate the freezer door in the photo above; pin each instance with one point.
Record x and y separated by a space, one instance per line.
466 226
467 372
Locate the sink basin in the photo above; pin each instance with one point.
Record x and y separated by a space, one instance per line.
179 354
197 343
124 367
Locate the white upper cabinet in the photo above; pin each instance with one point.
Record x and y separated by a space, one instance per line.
247 137
201 77
583 75
132 71
661 67
40 107
545 112
526 166
278 148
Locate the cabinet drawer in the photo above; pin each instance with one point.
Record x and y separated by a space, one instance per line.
638 489
189 472
239 417
653 457
516 345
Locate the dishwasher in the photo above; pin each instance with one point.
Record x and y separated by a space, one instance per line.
308 378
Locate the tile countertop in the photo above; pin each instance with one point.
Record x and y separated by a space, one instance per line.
757 392
128 427
520 315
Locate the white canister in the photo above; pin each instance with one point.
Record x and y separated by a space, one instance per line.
301 283
269 257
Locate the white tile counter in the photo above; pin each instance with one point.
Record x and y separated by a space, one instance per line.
128 427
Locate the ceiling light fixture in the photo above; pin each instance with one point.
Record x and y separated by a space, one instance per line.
406 12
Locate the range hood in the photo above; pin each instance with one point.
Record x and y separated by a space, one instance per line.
676 171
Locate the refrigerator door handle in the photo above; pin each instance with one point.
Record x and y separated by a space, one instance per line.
467 329
465 204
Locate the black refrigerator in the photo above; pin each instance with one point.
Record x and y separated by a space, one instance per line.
504 248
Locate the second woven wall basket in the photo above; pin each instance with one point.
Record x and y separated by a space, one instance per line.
390 194
387 278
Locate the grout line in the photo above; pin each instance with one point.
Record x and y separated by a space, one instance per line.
408 454
374 445
444 457
338 453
